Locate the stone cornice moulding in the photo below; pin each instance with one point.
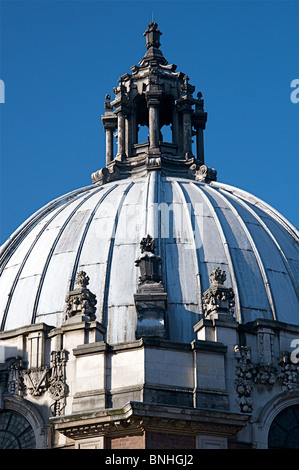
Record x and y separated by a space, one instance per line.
139 417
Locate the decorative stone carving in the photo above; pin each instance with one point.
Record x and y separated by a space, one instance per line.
206 174
81 302
106 175
218 300
245 372
266 374
11 380
14 381
36 380
148 263
288 372
14 378
147 244
285 373
57 384
150 298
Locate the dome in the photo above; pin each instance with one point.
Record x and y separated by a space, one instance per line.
157 307
159 188
197 226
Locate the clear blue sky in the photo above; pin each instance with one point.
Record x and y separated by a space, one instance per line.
60 58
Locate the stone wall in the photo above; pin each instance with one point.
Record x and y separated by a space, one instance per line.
151 387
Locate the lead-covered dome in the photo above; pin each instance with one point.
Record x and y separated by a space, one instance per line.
197 227
161 187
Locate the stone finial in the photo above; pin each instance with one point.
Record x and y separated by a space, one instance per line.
147 244
218 300
152 35
82 280
218 277
107 104
80 302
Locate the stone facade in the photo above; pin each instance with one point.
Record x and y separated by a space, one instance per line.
214 392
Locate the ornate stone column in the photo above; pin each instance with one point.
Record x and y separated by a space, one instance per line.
199 145
109 145
120 134
109 122
153 97
175 127
187 131
128 135
121 110
184 104
199 119
153 102
154 123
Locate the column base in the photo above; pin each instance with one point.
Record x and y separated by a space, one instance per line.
121 157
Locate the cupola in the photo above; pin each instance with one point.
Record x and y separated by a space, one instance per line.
153 119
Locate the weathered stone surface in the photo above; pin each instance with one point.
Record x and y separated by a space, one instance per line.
150 298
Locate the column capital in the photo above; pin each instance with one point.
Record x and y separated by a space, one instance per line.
153 97
109 122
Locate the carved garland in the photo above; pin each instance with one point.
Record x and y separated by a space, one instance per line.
249 374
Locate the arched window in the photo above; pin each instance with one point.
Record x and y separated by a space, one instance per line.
284 431
15 431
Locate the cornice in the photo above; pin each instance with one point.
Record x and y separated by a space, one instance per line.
136 418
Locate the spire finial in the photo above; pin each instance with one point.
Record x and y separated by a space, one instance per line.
152 35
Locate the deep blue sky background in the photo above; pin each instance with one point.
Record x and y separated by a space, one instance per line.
60 58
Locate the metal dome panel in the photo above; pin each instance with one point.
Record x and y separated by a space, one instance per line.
197 227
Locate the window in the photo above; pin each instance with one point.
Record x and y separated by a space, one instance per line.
284 431
15 431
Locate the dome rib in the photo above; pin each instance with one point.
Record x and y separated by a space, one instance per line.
248 197
104 318
98 229
9 247
227 252
148 179
152 225
76 195
40 285
280 250
255 250
83 237
185 200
